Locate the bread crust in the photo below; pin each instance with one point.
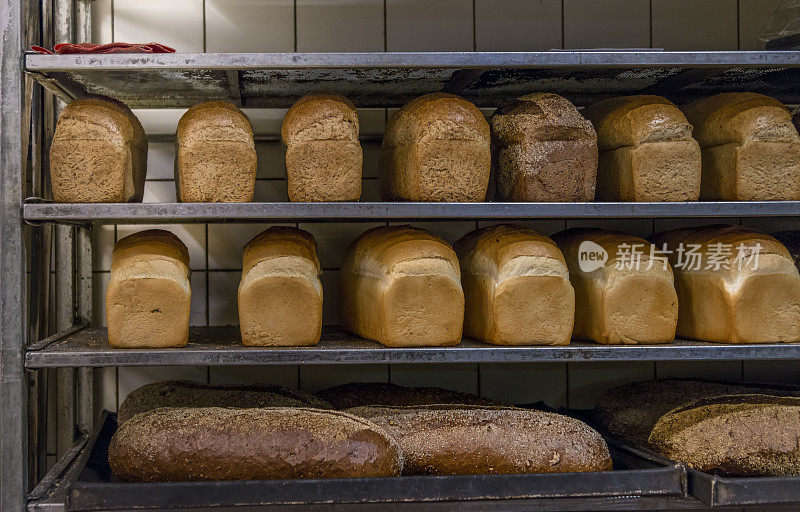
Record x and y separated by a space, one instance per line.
516 285
98 154
401 286
358 394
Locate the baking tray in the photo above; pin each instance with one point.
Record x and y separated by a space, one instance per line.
637 479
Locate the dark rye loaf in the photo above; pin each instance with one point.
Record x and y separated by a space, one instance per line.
212 443
357 394
190 394
474 440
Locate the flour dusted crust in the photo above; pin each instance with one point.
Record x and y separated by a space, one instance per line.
280 294
620 302
98 154
323 155
148 297
749 300
215 155
436 148
751 148
647 152
401 286
516 286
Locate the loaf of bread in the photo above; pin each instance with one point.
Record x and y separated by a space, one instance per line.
98 154
516 287
215 155
476 440
624 291
647 152
436 148
358 394
740 287
148 296
280 294
790 240
751 149
401 286
323 155
190 394
213 443
544 150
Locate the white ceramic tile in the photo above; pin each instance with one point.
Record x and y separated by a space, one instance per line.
160 121
177 23
519 384
660 225
271 160
316 377
372 155
101 22
249 25
161 161
265 121
517 25
420 25
102 246
636 227
51 461
192 235
695 24
272 375
544 226
772 224
159 192
730 371
460 377
606 24
370 190
222 297
371 121
330 297
99 284
449 230
587 381
340 25
787 372
105 389
334 238
753 15
197 311
271 190
134 377
226 243
52 411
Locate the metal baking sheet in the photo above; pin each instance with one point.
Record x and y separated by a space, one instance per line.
636 482
214 346
140 213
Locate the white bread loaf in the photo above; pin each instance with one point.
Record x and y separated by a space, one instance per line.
98 154
516 287
544 150
148 297
401 286
436 148
647 152
737 297
280 294
323 155
619 301
751 149
215 155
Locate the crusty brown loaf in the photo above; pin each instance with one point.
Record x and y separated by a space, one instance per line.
280 294
744 300
751 149
148 297
98 154
736 435
401 286
357 394
212 443
190 394
544 150
323 155
470 440
620 302
436 148
647 152
215 155
516 287
790 240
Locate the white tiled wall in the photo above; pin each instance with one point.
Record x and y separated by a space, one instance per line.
395 25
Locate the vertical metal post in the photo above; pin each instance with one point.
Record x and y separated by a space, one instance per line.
13 392
85 413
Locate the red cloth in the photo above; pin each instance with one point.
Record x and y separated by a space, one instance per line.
67 48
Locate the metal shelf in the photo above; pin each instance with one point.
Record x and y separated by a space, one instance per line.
215 346
392 79
137 213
